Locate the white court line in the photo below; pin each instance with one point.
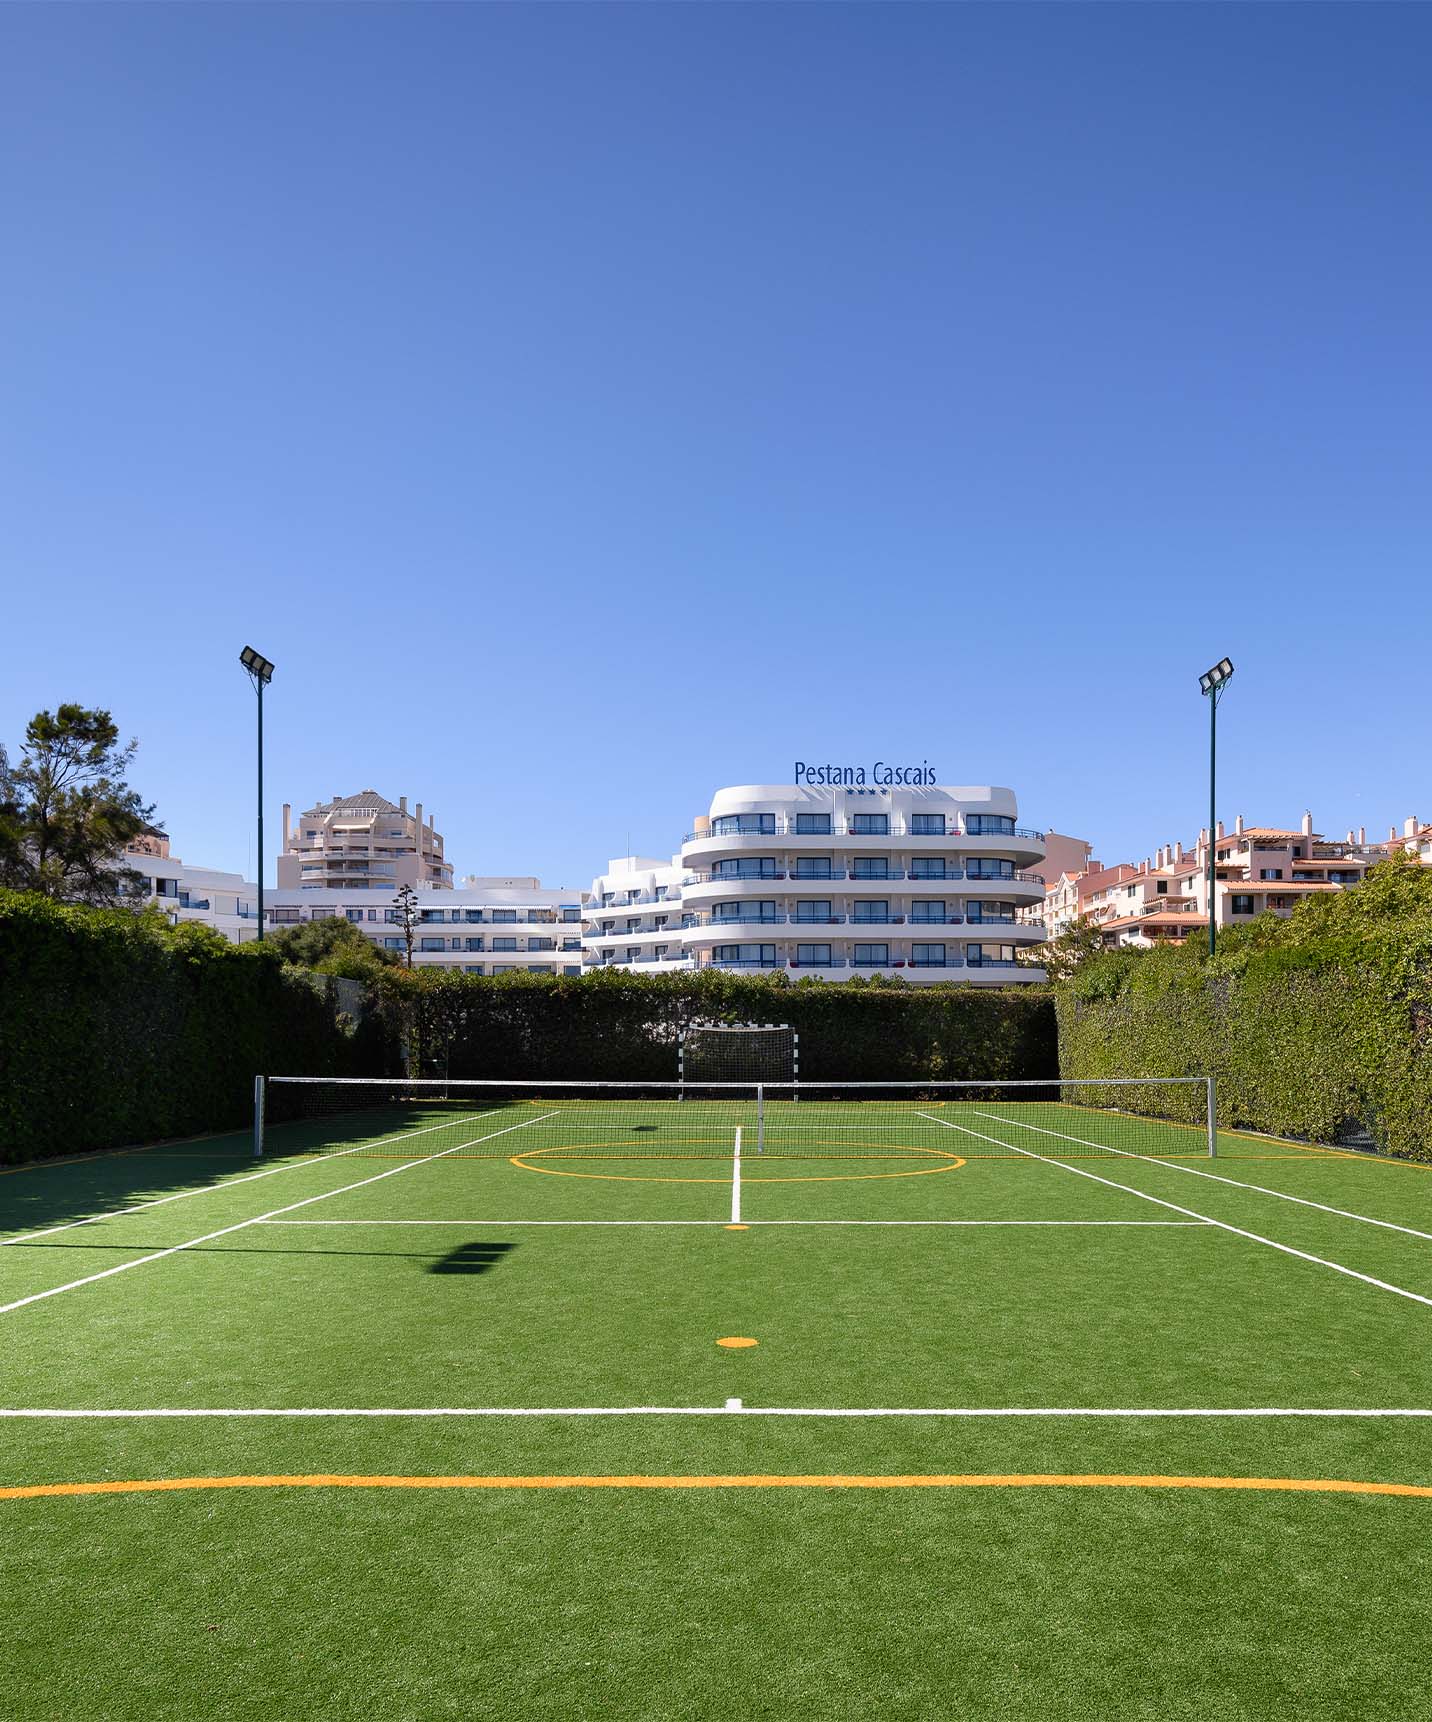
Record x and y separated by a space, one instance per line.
229 1183
223 1231
1236 1183
1223 1225
1191 1224
736 1180
732 1409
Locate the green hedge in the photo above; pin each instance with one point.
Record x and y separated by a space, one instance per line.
1317 1027
621 1026
114 1029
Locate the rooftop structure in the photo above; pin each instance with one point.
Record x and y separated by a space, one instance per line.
361 842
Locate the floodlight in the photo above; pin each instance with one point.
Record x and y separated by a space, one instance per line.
258 667
1211 680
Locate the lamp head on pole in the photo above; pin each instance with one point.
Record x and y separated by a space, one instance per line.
1212 680
258 667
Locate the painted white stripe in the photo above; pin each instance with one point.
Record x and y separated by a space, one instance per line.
230 1183
1192 1225
736 1180
730 1410
224 1231
1194 1171
1223 1225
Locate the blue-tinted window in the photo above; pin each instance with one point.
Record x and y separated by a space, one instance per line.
870 824
927 824
812 824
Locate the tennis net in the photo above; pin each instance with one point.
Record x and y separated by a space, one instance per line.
396 1118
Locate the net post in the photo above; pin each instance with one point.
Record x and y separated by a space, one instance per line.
1212 1120
258 1118
795 1065
760 1118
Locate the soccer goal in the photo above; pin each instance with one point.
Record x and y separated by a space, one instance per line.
738 1052
912 1123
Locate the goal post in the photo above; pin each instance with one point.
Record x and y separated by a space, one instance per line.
749 1052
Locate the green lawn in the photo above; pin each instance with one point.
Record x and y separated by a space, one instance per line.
582 1265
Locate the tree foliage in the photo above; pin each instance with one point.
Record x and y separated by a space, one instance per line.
1317 1025
67 810
331 947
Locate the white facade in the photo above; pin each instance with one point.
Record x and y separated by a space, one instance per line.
485 926
225 901
925 883
635 916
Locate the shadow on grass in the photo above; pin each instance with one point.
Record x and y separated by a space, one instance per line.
471 1259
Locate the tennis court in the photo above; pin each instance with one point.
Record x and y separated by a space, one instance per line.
583 1403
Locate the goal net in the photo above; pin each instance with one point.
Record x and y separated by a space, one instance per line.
543 1125
739 1052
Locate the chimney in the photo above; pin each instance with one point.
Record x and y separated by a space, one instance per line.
1392 834
419 829
402 804
1307 825
1409 829
1238 826
1220 828
286 812
1362 834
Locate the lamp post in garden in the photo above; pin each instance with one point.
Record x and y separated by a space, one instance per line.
260 674
1211 684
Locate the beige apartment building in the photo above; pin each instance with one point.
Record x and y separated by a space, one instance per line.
1257 869
361 843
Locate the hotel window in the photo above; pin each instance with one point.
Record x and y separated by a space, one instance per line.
353 914
977 911
813 956
537 969
870 867
748 956
391 917
632 953
472 968
989 825
392 944
504 944
1161 888
812 825
634 924
992 870
986 955
930 867
932 909
502 968
927 956
870 956
571 944
570 914
430 915
752 867
432 944
283 917
818 909
742 824
541 944
927 824
758 909
474 944
472 914
870 824
506 915
571 968
659 952
1270 872
813 867
872 911
1242 905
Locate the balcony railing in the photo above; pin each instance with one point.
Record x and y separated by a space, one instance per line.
840 873
785 826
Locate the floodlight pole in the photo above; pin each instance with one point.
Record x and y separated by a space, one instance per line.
260 674
1211 685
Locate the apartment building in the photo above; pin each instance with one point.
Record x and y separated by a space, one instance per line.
225 901
361 843
485 926
1415 840
635 915
1257 869
833 882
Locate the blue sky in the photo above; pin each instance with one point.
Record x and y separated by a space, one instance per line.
587 407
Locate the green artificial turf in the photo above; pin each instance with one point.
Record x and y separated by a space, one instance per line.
1007 1601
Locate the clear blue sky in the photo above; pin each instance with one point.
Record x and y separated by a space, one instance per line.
587 407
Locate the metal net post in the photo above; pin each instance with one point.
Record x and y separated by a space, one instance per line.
258 1118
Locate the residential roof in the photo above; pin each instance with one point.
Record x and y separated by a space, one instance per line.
366 801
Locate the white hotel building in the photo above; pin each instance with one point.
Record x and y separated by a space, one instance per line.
925 883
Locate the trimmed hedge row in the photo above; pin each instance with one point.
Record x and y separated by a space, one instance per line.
627 1027
115 1030
1318 1027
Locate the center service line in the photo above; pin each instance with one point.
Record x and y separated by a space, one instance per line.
736 1180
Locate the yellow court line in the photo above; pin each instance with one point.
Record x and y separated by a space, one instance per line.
1015 1480
952 1163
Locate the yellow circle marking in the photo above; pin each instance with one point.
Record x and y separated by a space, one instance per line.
1016 1480
736 1343
949 1163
